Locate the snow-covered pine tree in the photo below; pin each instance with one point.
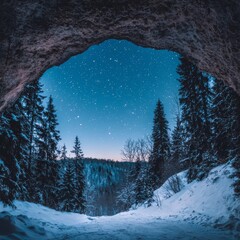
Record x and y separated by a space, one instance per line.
63 155
12 152
195 98
142 190
47 167
53 139
235 140
33 108
77 150
138 182
6 194
221 115
161 146
19 126
8 179
178 153
41 165
79 176
226 127
67 190
80 186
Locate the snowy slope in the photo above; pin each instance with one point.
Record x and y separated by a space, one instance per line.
210 202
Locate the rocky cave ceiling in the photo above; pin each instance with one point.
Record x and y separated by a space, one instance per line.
38 34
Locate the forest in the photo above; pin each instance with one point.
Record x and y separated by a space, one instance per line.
34 168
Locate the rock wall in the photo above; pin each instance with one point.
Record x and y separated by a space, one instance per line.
38 34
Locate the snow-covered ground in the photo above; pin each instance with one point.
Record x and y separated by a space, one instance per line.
192 213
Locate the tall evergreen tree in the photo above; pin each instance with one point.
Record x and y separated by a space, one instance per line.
9 170
195 98
67 190
235 152
142 190
47 166
77 150
63 155
161 146
20 129
178 153
137 182
222 122
226 127
79 176
33 104
80 186
7 187
12 153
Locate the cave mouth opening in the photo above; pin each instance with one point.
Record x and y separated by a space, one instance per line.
107 97
109 92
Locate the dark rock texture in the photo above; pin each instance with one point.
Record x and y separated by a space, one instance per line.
38 34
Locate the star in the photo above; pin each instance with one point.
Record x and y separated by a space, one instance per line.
111 88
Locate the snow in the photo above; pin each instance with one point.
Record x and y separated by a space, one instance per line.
188 214
212 197
19 227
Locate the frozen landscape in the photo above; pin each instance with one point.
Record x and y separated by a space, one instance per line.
201 210
119 120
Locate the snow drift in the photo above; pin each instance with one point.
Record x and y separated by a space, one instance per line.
210 202
19 227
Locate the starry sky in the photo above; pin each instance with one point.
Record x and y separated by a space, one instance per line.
107 95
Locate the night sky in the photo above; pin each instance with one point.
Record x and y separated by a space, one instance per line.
108 94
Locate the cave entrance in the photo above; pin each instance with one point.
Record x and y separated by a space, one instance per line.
105 96
112 97
109 92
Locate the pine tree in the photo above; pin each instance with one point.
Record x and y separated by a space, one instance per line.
161 150
19 126
41 165
178 153
77 149
33 108
79 176
195 97
142 189
221 115
8 178
80 186
7 194
67 190
47 166
12 153
235 152
226 127
63 153
138 182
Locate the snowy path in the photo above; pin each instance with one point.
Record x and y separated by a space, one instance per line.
181 216
112 228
